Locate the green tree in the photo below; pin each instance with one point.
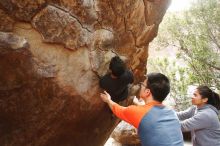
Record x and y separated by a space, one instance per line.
196 34
179 79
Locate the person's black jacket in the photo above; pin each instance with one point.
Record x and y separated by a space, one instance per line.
117 87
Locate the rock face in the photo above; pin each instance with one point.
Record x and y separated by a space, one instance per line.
126 134
50 52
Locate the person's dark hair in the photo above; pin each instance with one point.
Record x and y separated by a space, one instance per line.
117 66
213 98
159 86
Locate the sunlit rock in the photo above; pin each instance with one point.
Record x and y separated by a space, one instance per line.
49 62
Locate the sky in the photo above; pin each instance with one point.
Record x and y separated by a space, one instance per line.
179 5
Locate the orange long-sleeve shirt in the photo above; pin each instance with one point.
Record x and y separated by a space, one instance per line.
134 113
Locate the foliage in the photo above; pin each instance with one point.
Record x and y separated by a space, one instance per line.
179 80
196 34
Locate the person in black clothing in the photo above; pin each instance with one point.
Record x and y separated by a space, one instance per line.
116 81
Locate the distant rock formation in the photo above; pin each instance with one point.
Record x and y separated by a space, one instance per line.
50 52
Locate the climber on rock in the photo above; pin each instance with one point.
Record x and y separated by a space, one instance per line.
117 80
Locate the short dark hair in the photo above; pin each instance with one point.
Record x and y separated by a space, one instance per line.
213 98
117 66
159 86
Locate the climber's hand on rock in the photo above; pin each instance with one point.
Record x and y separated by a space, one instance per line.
105 96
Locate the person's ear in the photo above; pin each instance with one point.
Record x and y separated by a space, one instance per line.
205 100
147 92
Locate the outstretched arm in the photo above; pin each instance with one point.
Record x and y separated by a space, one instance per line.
183 115
107 99
199 121
128 114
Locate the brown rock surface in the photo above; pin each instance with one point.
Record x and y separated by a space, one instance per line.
84 10
22 10
6 22
49 93
59 26
126 134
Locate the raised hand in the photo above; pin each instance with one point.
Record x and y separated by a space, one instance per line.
105 96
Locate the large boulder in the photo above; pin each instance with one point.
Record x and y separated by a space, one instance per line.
126 134
50 54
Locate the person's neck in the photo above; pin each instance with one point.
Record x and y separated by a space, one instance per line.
148 100
201 105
